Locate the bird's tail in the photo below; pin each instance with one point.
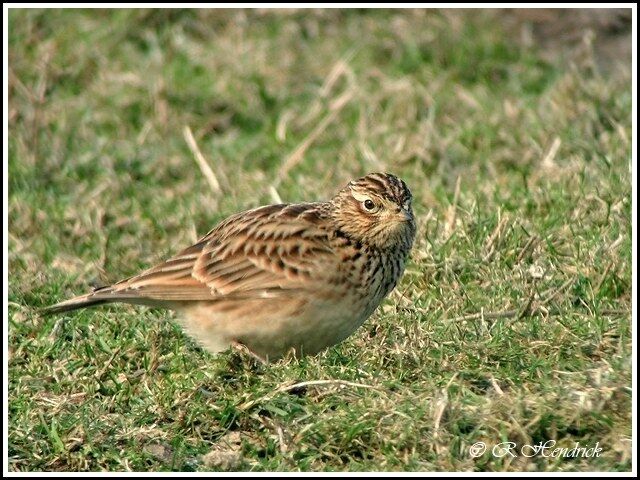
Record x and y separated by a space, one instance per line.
73 304
97 297
120 292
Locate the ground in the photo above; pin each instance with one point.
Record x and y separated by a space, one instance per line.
132 132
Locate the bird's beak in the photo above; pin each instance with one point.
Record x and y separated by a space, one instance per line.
405 215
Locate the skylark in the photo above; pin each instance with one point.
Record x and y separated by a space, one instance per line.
291 277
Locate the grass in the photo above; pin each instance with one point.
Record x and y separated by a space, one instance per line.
511 323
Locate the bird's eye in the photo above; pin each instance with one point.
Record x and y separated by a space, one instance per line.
369 205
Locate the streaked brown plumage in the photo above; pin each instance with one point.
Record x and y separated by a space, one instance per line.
281 277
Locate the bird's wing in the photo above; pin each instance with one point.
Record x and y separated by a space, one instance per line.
262 252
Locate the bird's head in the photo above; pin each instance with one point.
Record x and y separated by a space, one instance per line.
376 210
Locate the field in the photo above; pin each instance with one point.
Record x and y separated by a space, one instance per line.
512 322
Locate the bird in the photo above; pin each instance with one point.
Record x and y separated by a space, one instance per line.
290 278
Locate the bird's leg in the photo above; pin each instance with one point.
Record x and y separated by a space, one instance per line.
243 349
